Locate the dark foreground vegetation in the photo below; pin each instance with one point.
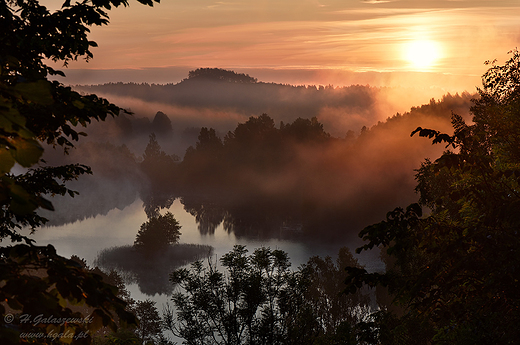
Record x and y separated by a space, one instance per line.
454 272
258 299
451 274
35 280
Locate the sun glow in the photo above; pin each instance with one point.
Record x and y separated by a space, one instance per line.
422 54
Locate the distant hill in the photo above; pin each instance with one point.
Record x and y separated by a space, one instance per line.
218 74
220 98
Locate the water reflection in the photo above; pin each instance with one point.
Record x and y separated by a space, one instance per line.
86 237
258 218
208 215
150 271
107 240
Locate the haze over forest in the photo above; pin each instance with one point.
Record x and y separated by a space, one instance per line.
350 165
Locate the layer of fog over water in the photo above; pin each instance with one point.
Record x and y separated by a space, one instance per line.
323 194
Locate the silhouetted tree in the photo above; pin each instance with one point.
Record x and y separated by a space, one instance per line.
307 131
254 145
259 300
324 294
204 168
159 167
255 131
35 279
208 141
153 151
149 329
161 123
158 233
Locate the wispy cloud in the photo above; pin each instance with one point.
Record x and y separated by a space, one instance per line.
362 35
376 1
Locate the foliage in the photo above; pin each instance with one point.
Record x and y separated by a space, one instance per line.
34 110
149 328
304 130
159 167
158 233
455 271
255 144
325 291
161 123
255 147
209 141
259 300
22 194
228 310
37 281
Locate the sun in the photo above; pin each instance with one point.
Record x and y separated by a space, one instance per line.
422 54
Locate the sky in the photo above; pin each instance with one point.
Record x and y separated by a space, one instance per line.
387 42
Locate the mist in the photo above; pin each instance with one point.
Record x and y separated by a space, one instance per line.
204 102
332 187
219 104
437 83
362 167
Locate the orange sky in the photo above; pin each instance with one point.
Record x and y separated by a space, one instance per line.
451 37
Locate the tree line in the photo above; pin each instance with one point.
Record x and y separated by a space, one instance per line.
262 176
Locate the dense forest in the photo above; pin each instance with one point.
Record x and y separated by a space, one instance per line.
262 175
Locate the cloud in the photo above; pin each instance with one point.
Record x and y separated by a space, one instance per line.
355 35
376 1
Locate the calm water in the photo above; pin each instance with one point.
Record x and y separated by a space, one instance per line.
88 237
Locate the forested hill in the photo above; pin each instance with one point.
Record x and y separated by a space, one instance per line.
229 90
218 74
233 97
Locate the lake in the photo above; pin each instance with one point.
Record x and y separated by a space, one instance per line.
88 237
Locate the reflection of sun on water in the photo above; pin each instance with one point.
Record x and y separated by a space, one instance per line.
422 54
